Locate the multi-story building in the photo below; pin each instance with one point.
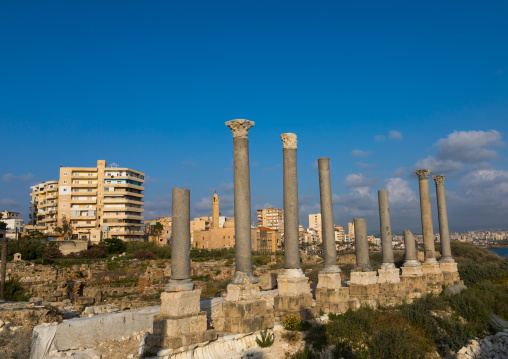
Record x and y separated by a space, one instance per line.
315 221
97 202
272 218
44 206
15 225
351 231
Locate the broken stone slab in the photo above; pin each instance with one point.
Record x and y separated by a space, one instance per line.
455 289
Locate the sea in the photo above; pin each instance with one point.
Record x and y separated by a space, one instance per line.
503 252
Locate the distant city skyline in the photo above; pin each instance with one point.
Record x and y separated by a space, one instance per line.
381 89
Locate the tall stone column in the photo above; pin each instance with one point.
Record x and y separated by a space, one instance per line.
387 273
386 230
180 243
427 229
291 220
243 251
444 234
325 190
411 257
294 296
361 246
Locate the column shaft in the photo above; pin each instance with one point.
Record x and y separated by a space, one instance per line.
426 214
291 220
444 234
411 257
328 230
361 245
243 249
386 229
180 243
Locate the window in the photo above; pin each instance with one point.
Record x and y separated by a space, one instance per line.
64 197
65 182
89 182
65 173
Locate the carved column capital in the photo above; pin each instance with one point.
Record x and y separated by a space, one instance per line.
422 174
240 127
289 141
439 179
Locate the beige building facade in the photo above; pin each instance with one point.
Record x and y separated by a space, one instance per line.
98 202
272 218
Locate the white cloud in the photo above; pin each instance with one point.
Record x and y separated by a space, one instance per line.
360 153
366 165
469 146
395 135
355 180
399 191
9 177
227 187
399 172
380 138
9 203
438 165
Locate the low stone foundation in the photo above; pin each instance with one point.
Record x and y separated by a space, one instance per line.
450 273
414 282
333 300
294 296
433 277
364 287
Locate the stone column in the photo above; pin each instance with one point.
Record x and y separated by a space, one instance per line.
325 190
291 220
180 242
361 246
444 234
386 230
411 257
243 251
427 229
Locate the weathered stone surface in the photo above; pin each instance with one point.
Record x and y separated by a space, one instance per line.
246 291
361 246
180 303
455 289
426 214
329 280
246 316
448 267
386 229
444 234
293 285
412 271
169 326
388 275
363 278
333 300
299 304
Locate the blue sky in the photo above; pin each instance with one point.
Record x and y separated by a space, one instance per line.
382 88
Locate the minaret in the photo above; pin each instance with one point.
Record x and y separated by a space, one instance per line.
215 211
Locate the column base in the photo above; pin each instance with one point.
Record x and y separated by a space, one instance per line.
294 295
244 278
391 293
180 322
333 300
390 275
177 285
246 291
329 280
364 287
433 276
411 263
450 273
414 282
246 316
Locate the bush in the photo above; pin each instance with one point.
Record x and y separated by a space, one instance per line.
292 322
94 252
52 253
30 248
144 254
202 255
266 340
114 245
163 252
14 292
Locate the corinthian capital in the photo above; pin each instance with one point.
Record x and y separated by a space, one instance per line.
439 179
240 127
422 174
289 141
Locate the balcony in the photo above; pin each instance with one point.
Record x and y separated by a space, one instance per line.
123 224
125 185
83 192
91 200
84 225
84 185
84 176
125 233
119 192
122 209
122 216
52 189
122 200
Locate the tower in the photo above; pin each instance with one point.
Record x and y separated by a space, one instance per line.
215 211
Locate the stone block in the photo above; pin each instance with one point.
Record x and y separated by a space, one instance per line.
448 267
244 309
292 303
356 290
363 278
390 275
430 268
243 291
324 295
180 303
168 326
249 325
293 286
412 271
329 280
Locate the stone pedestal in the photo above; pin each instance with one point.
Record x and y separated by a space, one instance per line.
180 322
294 296
331 297
390 275
413 281
364 287
450 273
433 277
244 310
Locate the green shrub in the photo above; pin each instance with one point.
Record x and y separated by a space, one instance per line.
114 245
395 342
163 252
292 322
144 254
30 248
14 292
94 252
52 253
266 340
